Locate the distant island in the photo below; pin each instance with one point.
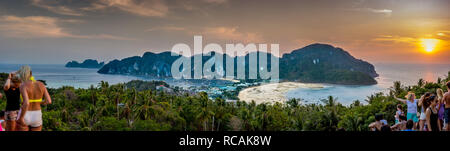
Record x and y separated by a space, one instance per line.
321 63
316 63
88 63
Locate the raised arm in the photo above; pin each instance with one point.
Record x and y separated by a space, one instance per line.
7 84
421 100
401 100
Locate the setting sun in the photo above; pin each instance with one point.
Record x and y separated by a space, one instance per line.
429 45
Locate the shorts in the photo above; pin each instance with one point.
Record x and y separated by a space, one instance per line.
412 116
423 116
33 118
446 115
11 115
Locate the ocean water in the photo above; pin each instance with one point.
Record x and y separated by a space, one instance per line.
408 74
58 75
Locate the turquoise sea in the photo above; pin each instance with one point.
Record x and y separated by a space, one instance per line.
58 75
408 74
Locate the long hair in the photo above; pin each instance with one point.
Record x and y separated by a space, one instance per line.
440 93
399 106
24 73
427 101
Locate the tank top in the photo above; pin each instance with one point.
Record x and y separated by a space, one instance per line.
412 107
12 99
434 120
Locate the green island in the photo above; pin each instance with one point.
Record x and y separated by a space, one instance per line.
88 63
148 106
315 63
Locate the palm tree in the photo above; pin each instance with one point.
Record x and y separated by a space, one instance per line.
420 83
205 113
93 94
330 116
294 103
397 88
448 76
370 99
330 102
104 85
220 113
353 122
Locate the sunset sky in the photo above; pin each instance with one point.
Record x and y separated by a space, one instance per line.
54 32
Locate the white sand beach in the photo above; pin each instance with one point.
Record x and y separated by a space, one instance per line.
273 92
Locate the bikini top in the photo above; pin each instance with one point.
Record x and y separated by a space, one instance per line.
31 100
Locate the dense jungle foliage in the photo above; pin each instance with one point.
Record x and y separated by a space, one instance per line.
122 107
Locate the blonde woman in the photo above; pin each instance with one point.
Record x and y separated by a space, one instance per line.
411 103
33 92
440 106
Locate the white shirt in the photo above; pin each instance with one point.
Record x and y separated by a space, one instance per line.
412 107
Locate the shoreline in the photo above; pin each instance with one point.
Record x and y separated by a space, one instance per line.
272 92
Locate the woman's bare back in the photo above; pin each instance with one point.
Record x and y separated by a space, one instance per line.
35 91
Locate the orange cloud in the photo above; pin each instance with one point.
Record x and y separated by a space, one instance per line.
63 10
43 27
231 33
148 8
397 39
217 33
166 28
216 1
31 27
